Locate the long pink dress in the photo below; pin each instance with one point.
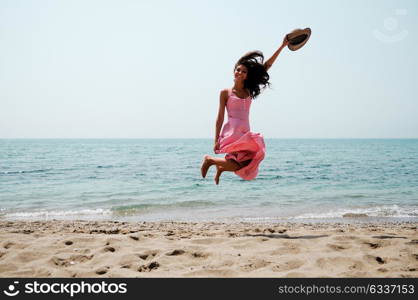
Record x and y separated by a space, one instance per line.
238 141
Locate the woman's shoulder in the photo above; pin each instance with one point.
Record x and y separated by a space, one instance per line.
225 93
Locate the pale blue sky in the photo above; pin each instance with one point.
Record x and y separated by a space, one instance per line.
154 69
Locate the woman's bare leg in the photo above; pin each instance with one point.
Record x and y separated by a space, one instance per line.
206 163
222 165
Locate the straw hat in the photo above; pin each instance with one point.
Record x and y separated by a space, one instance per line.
297 38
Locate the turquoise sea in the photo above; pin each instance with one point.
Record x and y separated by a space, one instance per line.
303 180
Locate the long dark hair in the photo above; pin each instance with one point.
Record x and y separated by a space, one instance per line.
257 76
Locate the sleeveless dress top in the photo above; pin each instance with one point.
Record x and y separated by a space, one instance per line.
236 139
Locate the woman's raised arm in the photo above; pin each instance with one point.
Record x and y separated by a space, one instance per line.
270 61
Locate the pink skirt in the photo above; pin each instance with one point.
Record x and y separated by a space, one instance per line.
249 146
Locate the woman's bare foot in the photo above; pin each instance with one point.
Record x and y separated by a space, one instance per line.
219 171
206 163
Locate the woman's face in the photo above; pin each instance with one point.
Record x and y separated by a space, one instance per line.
240 73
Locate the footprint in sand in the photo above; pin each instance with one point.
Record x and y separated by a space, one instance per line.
82 250
410 269
65 260
338 247
375 259
256 264
373 245
170 233
147 254
286 249
357 266
175 252
109 249
125 266
149 267
102 270
339 262
7 245
127 260
199 254
135 237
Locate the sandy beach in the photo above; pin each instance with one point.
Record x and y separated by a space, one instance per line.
207 249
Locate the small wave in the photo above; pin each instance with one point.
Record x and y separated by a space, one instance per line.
105 167
272 170
354 215
321 166
377 211
25 171
138 208
356 196
57 213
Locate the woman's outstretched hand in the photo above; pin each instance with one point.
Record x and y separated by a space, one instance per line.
285 42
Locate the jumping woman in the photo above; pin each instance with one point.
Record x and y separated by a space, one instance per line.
244 149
